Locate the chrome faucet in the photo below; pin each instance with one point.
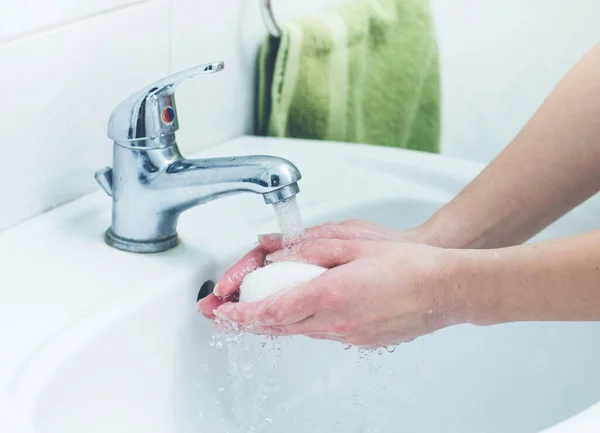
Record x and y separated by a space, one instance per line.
151 183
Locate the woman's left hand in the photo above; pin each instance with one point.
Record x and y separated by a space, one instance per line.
376 293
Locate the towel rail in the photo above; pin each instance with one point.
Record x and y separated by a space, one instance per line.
269 18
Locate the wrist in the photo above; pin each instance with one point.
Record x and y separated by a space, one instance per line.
474 286
448 232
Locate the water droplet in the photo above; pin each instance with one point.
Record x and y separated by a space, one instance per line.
391 349
380 351
205 367
268 421
248 372
232 159
347 346
219 345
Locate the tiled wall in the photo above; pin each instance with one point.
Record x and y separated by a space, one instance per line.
62 70
64 65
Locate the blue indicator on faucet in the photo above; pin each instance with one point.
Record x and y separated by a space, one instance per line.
168 115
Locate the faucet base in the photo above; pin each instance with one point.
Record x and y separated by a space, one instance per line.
144 247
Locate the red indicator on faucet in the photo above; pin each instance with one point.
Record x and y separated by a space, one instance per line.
168 115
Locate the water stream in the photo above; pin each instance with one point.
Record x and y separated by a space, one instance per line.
290 220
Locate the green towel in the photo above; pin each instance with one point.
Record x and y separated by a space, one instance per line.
366 71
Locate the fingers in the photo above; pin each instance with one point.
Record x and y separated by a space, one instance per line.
209 304
346 230
274 241
311 325
329 337
328 253
350 229
281 309
271 242
231 280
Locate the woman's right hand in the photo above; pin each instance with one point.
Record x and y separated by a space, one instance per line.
228 286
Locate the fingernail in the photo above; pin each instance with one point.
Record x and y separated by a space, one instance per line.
270 236
216 291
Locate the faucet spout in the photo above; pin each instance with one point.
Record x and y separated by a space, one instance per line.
203 180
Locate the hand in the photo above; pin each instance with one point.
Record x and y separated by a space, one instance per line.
229 285
376 293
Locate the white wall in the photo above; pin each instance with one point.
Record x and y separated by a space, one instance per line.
64 65
500 59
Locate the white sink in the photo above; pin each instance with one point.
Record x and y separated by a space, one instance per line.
95 340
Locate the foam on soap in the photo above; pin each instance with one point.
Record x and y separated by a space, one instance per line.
270 279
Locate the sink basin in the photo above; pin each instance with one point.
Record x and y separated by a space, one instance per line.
98 340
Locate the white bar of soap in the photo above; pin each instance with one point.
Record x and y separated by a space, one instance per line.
273 278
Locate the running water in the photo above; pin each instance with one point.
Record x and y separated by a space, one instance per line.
251 364
252 359
290 220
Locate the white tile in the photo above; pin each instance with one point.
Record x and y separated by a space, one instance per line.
59 90
21 16
500 60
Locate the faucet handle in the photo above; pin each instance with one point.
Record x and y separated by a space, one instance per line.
150 114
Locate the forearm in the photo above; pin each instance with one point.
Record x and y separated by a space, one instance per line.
552 166
556 280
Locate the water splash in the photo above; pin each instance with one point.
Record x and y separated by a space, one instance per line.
251 362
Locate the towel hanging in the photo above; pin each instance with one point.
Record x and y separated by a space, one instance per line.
366 71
